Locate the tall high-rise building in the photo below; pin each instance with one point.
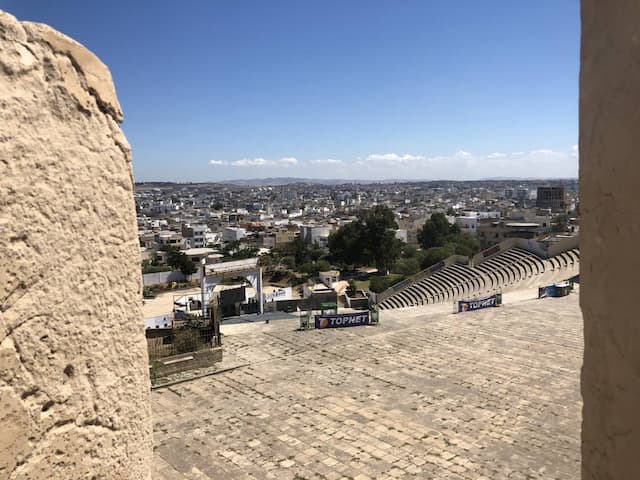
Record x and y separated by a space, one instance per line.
551 197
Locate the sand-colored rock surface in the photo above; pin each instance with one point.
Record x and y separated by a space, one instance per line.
427 394
73 367
609 239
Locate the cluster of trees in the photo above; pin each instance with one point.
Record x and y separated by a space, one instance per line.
152 266
180 261
297 256
176 260
381 283
440 239
236 251
370 239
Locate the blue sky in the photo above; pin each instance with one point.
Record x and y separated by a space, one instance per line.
215 90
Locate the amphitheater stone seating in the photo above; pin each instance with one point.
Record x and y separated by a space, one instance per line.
511 268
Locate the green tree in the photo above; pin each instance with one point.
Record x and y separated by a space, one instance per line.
438 237
315 252
323 265
378 284
434 255
407 266
344 245
436 231
289 262
236 251
148 267
370 238
296 250
409 251
381 283
180 261
247 252
313 268
466 245
387 251
154 260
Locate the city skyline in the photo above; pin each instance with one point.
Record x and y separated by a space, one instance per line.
369 91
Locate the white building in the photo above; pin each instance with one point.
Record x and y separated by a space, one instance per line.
233 234
468 224
401 235
170 238
311 234
329 277
195 235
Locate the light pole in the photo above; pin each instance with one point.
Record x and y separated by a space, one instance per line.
203 262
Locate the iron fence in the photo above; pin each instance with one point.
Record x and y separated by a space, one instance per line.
182 340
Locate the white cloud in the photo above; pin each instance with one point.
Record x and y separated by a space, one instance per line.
249 162
460 164
325 161
287 161
257 162
535 163
393 158
542 151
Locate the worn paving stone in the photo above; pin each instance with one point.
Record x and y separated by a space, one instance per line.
426 394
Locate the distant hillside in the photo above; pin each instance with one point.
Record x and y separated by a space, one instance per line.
280 181
275 181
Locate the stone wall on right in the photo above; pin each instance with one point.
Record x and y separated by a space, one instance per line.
610 238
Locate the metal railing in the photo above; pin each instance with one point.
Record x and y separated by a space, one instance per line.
182 340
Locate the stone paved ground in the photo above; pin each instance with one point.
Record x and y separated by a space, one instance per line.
484 395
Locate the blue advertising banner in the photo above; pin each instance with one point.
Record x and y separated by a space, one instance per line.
470 305
548 291
342 320
558 290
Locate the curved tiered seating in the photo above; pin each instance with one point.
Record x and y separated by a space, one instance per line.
573 256
460 283
508 269
520 263
424 292
564 263
492 276
491 266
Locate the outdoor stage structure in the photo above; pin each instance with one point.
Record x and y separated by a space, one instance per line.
213 274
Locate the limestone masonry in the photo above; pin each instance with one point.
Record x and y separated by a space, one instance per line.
74 399
609 173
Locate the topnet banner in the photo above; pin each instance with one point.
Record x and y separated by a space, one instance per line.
341 320
470 305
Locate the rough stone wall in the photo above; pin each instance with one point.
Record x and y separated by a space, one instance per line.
610 238
74 384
